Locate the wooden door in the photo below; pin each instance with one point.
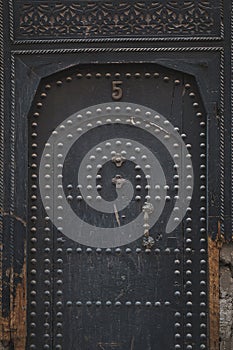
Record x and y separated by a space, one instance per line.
117 241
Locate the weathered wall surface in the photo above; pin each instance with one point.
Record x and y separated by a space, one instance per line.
4 347
226 297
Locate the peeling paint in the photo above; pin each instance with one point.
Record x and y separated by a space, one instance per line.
13 327
117 215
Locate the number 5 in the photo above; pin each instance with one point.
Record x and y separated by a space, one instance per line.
117 90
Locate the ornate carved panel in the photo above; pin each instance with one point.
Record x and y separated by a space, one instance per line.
125 19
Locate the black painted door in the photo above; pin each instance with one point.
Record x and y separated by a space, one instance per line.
117 243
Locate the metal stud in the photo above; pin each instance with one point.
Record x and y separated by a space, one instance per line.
148 304
79 75
177 336
117 303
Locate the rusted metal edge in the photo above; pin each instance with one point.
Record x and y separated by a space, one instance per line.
13 327
214 247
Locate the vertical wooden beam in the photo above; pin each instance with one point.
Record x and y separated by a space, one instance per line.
214 247
13 326
18 313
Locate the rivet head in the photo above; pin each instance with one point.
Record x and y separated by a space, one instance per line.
191 94
117 303
148 304
203 325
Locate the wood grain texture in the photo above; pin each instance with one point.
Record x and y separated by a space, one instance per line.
214 290
13 326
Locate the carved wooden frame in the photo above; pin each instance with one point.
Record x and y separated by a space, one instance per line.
14 279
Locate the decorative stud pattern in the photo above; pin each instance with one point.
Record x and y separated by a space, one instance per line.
66 252
90 194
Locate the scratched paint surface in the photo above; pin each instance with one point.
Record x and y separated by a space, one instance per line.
129 296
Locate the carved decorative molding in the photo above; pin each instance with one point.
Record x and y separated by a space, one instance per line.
98 19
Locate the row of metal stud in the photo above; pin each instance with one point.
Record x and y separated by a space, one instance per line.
68 80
